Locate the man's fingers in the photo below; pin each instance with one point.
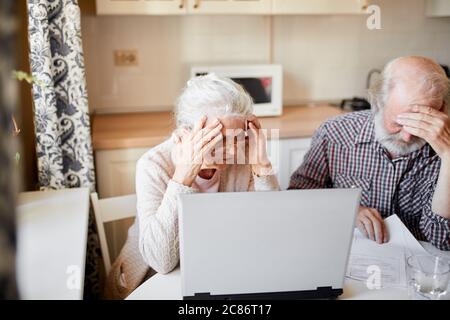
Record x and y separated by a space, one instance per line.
385 234
428 110
419 124
421 133
377 227
423 117
375 213
368 226
361 228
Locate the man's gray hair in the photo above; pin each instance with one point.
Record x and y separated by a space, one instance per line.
435 82
212 96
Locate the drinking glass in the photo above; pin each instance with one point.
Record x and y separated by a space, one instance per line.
428 277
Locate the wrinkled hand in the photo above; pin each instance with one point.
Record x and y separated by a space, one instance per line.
191 148
258 158
371 224
429 124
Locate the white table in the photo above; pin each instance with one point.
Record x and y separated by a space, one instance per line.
51 243
168 287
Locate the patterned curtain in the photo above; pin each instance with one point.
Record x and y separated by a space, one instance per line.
8 96
63 140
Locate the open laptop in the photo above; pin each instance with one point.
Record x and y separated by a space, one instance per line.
253 245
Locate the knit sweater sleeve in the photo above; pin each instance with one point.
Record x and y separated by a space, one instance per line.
158 215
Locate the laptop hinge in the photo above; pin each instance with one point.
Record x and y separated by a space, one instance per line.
323 292
319 293
202 295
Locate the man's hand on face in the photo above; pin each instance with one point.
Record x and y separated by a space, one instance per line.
371 224
429 124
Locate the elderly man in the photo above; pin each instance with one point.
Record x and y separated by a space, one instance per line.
398 153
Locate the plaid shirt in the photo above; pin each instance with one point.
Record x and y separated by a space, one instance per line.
345 154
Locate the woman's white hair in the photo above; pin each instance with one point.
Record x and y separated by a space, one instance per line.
212 96
434 81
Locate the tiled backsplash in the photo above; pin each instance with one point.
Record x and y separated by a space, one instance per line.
324 57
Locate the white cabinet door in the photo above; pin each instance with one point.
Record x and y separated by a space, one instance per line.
438 8
229 6
144 7
292 153
319 6
286 156
116 171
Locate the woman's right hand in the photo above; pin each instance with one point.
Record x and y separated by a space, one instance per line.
193 147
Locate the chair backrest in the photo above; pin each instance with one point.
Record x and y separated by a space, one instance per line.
107 210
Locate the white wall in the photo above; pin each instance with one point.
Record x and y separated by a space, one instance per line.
324 57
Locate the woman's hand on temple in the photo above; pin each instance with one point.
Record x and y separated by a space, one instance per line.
258 158
192 148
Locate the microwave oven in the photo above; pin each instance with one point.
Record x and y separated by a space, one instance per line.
263 82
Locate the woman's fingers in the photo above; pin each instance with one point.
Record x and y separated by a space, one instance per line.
199 125
208 135
206 128
211 145
252 119
176 137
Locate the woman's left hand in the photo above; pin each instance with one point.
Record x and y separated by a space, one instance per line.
258 157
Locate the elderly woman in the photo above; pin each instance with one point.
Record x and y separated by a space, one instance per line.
204 154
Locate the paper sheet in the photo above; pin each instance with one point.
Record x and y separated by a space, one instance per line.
389 258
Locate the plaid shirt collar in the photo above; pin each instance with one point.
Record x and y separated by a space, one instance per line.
367 135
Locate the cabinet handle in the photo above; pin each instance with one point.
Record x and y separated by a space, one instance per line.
181 6
197 4
364 5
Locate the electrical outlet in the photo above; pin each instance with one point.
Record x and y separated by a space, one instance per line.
125 58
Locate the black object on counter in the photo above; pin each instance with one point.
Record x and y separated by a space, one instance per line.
355 104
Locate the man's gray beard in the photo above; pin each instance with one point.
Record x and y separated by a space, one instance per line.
393 142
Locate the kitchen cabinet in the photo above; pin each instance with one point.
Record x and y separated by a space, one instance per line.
141 7
438 8
287 157
265 7
116 171
229 6
180 7
319 6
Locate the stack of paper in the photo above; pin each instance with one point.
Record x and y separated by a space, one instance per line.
388 259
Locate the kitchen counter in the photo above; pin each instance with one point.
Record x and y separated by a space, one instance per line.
139 130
